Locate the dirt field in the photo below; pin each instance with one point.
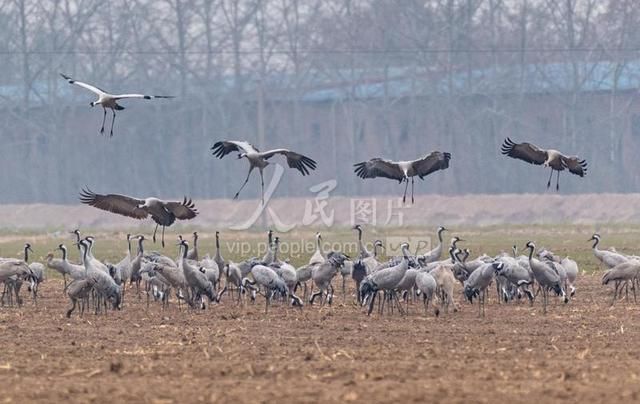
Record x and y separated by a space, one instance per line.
584 351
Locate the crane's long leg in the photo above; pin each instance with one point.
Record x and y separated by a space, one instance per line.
615 292
373 299
549 181
262 186
557 181
163 236
154 233
412 179
404 197
244 183
113 121
104 118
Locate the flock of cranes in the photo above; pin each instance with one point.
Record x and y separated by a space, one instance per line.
165 213
441 277
197 280
401 171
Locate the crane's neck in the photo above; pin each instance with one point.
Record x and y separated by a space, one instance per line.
457 255
405 254
84 251
183 250
140 247
64 253
218 255
318 245
26 254
596 241
195 241
361 245
129 245
375 250
452 255
89 251
440 235
530 253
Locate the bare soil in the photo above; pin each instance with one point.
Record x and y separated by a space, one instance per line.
585 351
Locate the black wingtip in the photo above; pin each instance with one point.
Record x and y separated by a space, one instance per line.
507 146
87 196
218 150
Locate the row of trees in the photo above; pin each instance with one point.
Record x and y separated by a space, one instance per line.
242 68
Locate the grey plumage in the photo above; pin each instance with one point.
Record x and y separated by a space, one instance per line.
546 275
609 258
270 281
322 274
401 171
478 281
386 279
362 249
109 101
163 213
435 253
198 283
516 274
260 160
79 290
548 158
192 254
622 274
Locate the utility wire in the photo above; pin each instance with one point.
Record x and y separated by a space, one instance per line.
324 51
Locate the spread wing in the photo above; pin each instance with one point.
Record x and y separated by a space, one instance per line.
294 160
575 165
146 97
378 167
184 210
120 204
430 163
86 86
524 151
224 147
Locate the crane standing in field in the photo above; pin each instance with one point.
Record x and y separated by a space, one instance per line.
110 101
259 159
548 158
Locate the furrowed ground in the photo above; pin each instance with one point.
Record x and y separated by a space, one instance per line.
585 350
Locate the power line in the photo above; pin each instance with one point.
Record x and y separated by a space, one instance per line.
255 51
